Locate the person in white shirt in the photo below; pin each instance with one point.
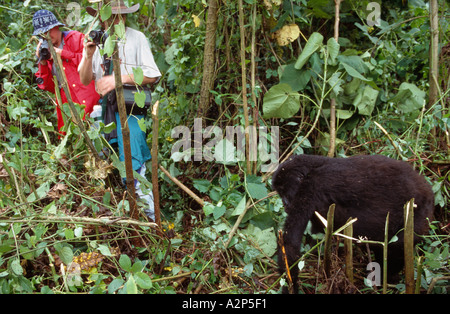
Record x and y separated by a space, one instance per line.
134 52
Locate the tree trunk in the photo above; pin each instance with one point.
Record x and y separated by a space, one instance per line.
208 56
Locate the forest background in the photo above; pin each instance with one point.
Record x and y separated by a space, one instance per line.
377 86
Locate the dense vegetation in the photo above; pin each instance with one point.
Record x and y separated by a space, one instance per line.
60 216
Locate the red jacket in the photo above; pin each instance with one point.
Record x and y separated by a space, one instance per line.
71 57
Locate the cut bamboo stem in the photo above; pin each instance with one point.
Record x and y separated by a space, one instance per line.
348 249
385 254
328 240
288 270
244 86
155 163
409 247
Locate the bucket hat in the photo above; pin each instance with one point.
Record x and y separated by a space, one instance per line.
43 21
117 7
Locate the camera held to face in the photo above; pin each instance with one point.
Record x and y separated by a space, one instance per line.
98 37
44 52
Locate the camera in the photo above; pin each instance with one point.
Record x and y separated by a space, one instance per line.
98 37
44 53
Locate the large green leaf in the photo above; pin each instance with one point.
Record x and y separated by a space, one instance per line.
297 79
265 239
255 187
281 102
353 72
314 43
409 98
333 50
365 100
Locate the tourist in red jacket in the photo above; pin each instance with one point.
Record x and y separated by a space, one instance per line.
69 45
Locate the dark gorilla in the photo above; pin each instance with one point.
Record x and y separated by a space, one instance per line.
362 187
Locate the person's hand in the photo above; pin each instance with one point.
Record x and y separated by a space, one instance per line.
58 51
89 48
104 85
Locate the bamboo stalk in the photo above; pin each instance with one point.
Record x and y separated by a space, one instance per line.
209 56
131 191
348 249
252 154
244 86
86 220
419 274
288 270
337 4
328 240
385 254
155 163
434 53
409 246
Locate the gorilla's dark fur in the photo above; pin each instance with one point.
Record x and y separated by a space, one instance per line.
362 187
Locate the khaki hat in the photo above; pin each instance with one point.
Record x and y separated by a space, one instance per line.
117 7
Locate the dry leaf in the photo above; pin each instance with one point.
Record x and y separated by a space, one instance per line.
287 34
196 19
97 169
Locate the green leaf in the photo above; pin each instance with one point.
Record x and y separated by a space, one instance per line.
208 208
138 74
297 79
342 114
219 211
109 46
409 98
142 125
365 100
41 192
16 267
266 238
104 250
332 50
281 102
240 207
66 255
143 280
225 152
255 187
131 286
68 233
115 285
314 43
105 12
119 30
139 99
125 262
202 185
353 72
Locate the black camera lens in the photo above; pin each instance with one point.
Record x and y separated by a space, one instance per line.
44 54
40 81
98 37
